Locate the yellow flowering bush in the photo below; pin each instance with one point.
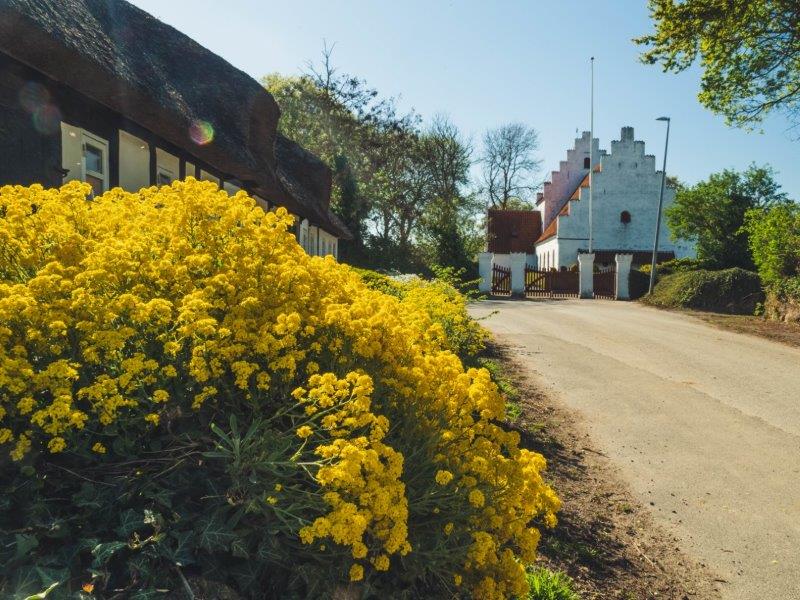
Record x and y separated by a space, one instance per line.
173 361
442 302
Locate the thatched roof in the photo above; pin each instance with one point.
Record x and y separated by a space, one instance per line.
304 175
159 78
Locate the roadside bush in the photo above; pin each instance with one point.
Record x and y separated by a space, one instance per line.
638 283
734 291
442 300
774 236
381 282
188 400
676 265
783 300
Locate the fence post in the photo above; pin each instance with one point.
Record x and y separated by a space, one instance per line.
623 276
518 262
485 260
586 275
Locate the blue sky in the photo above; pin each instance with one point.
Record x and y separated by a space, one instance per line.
488 63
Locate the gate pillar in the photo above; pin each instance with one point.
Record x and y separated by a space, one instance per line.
518 262
623 276
586 275
485 260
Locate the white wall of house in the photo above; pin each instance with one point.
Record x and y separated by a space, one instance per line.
230 188
71 153
316 241
85 157
206 176
329 244
261 202
570 173
167 167
547 254
313 240
134 162
303 234
134 174
504 260
627 183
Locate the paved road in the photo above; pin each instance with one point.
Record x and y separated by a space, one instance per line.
704 424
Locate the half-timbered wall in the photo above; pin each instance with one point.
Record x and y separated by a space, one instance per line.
43 125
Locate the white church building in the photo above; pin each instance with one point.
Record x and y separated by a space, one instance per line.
625 205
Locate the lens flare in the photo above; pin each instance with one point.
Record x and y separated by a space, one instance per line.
47 119
201 132
35 99
32 96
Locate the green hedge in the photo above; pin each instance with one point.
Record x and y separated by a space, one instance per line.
676 265
734 291
638 283
783 300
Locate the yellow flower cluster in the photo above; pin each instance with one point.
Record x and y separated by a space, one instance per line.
361 473
454 328
133 309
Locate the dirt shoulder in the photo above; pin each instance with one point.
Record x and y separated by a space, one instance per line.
605 540
777 331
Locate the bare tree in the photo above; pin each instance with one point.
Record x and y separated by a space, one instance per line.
449 156
510 166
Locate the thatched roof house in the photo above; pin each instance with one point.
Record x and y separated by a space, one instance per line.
106 64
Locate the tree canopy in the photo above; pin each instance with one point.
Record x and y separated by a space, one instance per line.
712 212
749 52
400 187
774 235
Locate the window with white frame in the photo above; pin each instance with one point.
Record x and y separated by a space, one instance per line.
94 167
168 167
165 176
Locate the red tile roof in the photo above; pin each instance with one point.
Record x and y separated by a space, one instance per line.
552 227
513 230
551 230
576 195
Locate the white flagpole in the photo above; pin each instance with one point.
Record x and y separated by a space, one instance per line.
591 156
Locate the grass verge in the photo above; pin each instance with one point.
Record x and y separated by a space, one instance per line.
550 585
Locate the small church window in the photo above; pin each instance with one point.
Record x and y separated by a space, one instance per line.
586 163
625 217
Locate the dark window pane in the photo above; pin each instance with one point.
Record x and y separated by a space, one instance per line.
96 183
94 158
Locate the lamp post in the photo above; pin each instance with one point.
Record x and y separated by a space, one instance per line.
591 156
660 203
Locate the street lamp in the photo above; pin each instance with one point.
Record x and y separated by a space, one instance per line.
660 203
591 158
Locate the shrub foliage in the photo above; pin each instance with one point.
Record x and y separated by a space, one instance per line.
186 396
774 235
549 585
733 291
